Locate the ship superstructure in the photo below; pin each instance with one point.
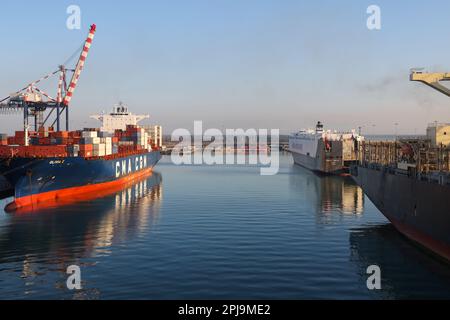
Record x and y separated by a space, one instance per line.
121 117
118 119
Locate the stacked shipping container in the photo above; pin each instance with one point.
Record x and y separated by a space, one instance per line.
87 143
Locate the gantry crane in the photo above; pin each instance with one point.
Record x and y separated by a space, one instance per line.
431 79
35 101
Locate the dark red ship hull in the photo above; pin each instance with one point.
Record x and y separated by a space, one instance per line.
418 209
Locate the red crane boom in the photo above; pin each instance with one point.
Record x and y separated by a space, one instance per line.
80 65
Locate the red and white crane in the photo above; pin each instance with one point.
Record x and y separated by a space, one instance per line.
80 65
35 101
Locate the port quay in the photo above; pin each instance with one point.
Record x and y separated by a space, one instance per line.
225 159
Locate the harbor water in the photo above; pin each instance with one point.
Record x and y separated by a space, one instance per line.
213 232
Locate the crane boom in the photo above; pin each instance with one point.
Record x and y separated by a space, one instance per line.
432 80
80 65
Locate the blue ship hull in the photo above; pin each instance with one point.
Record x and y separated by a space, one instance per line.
33 177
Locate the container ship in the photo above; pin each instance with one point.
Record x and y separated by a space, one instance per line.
325 152
64 164
47 164
408 180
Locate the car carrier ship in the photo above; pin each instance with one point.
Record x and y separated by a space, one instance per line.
408 180
325 152
47 164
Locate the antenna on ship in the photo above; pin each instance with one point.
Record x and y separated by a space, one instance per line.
35 101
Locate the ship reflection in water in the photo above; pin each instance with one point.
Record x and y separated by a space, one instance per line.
134 211
407 271
51 239
330 194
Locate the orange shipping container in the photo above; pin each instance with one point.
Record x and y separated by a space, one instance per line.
61 134
86 147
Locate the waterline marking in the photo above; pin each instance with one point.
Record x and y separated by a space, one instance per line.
240 147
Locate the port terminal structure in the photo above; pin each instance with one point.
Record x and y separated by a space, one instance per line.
34 102
431 79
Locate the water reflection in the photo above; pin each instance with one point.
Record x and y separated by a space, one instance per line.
329 194
57 237
338 193
134 211
407 271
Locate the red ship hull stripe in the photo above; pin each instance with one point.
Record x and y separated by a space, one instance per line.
73 191
440 248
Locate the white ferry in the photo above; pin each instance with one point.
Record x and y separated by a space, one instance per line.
323 151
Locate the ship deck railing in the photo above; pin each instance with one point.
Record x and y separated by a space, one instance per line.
438 177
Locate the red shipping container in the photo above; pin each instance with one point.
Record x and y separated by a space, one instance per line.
16 141
74 134
85 154
62 134
19 134
44 141
86 147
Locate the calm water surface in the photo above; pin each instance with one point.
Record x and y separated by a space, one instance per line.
193 232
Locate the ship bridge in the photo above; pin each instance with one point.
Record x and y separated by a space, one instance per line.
118 119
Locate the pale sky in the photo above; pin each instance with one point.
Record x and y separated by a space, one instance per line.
238 64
